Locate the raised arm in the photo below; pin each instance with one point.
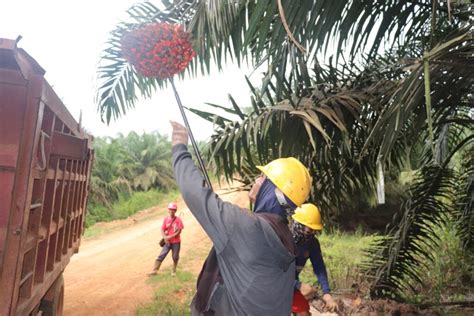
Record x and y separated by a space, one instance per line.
217 217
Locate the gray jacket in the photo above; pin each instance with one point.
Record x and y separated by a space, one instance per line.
257 270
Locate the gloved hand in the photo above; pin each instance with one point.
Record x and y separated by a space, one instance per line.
331 304
179 134
307 290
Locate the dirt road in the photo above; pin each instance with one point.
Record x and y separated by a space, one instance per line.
107 276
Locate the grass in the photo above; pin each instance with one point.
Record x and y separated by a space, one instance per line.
95 231
124 208
342 253
140 201
450 276
173 295
127 206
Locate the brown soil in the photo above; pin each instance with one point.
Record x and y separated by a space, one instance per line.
356 306
108 275
359 307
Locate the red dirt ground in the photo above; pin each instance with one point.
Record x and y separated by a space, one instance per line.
107 276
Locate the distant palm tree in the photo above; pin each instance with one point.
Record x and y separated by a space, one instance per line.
148 161
108 182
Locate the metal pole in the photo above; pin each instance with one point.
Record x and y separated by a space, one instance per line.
190 133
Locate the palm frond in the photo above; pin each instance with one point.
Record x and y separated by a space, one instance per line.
321 129
119 85
242 30
392 261
406 102
464 203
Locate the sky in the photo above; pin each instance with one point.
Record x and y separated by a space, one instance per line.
66 38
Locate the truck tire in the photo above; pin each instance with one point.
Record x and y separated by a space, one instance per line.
53 302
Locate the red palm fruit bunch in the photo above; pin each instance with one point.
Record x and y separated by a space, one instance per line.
158 49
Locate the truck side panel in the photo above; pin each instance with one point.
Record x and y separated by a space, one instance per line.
45 164
20 195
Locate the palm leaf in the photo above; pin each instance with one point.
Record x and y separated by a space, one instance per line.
296 130
412 238
409 97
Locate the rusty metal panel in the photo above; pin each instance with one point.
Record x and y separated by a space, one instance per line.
7 178
11 109
24 193
13 259
65 145
45 162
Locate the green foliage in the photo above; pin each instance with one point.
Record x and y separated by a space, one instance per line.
129 173
414 238
127 164
173 296
128 205
255 31
107 181
147 162
451 273
141 200
98 213
342 255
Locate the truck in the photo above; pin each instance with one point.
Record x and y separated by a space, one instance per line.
45 170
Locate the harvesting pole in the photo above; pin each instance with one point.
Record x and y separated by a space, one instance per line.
191 137
161 50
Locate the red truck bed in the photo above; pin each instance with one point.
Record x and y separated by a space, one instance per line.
45 165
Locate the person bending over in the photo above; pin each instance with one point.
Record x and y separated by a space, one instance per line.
306 223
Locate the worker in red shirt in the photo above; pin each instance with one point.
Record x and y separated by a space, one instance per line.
170 230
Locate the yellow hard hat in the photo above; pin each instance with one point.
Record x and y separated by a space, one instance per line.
308 215
290 176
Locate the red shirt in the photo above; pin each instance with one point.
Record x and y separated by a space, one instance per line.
171 229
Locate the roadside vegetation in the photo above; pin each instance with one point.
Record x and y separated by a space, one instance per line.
130 173
450 276
172 296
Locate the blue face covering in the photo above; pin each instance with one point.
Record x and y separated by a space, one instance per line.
267 202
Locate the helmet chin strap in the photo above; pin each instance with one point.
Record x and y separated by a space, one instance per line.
282 201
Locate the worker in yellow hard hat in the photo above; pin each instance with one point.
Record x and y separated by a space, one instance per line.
251 269
306 223
285 179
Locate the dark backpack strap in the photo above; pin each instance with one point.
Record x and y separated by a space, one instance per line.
167 228
208 277
280 226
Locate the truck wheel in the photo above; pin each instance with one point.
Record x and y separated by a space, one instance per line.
52 303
